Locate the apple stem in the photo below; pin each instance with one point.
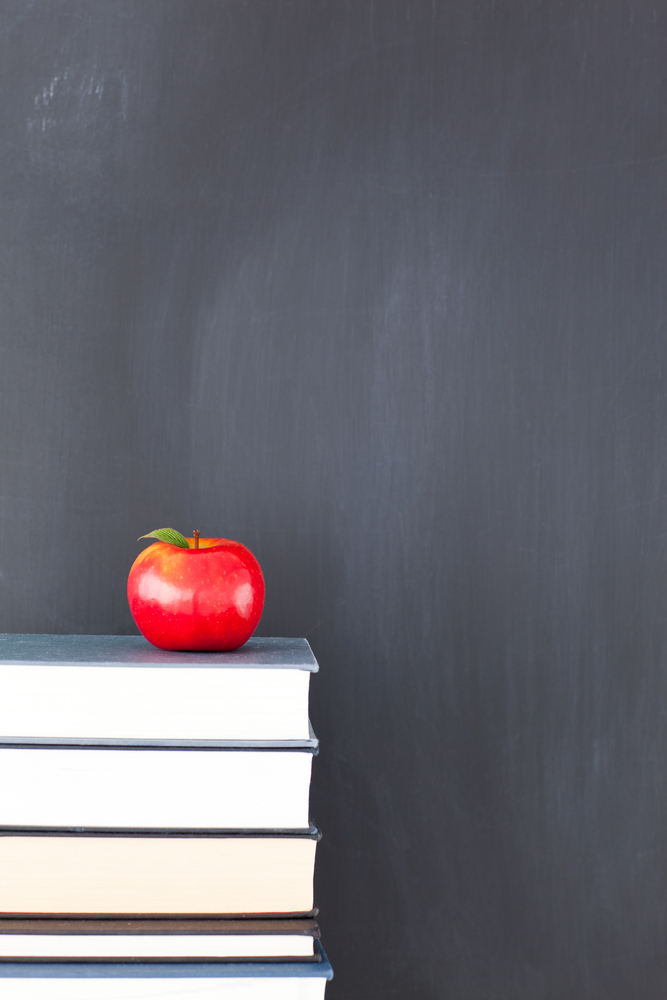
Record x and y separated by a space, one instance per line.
196 534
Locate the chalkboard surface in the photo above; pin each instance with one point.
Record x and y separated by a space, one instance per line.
378 290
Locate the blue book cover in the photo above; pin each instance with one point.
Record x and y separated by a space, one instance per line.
133 650
168 970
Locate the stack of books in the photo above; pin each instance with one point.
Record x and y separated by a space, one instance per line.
154 821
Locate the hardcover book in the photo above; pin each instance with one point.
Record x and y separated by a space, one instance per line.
151 789
167 875
106 690
158 940
154 981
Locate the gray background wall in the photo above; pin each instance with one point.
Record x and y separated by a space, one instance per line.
379 290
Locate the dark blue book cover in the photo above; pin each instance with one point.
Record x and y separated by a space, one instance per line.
168 970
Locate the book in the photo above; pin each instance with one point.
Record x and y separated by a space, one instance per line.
97 690
155 981
147 788
157 875
158 940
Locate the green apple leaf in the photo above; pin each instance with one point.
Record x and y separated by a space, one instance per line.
167 535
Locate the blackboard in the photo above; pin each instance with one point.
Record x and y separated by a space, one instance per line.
378 290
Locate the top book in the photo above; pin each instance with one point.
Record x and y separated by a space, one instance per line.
120 690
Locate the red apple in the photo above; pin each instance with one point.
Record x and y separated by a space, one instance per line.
208 596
